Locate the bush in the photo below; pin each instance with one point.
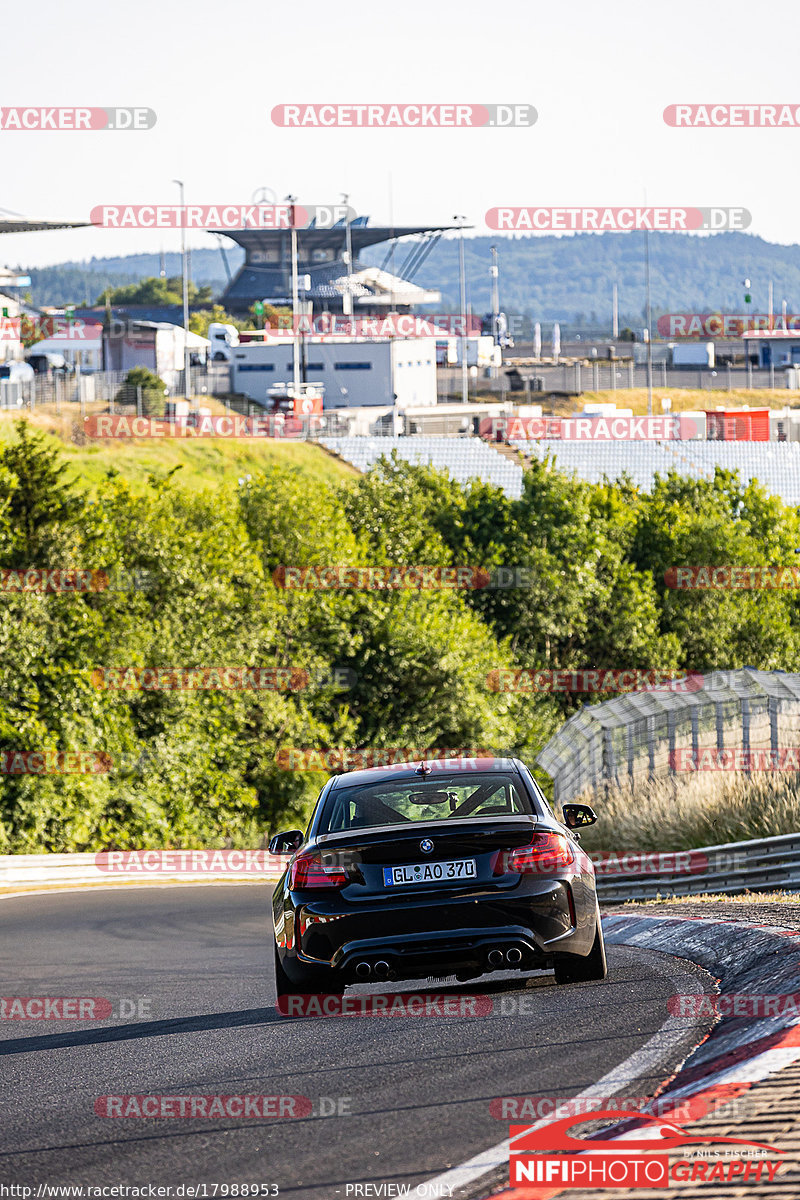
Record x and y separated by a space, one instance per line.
154 391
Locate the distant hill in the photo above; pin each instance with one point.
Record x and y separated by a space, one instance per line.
566 279
82 282
570 278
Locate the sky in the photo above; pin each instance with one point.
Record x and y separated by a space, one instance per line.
599 77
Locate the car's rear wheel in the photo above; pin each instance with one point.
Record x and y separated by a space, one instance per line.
572 968
311 986
283 984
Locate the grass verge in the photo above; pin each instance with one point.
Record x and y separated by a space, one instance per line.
667 814
203 463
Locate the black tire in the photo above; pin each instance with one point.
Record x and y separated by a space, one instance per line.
308 987
283 984
572 968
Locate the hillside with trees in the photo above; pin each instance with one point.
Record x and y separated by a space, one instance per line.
547 277
193 584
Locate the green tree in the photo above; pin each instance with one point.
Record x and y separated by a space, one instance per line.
721 522
155 291
40 510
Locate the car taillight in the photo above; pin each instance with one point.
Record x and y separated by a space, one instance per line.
310 871
548 852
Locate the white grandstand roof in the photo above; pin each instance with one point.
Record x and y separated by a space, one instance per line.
381 287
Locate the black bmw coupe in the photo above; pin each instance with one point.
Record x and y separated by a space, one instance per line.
434 869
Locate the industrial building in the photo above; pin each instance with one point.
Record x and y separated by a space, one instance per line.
776 347
354 374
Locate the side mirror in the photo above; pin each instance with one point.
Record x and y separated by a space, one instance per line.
576 815
286 843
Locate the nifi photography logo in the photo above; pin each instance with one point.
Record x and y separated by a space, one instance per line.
549 1155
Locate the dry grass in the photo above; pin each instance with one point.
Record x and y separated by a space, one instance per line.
781 897
704 399
704 810
683 399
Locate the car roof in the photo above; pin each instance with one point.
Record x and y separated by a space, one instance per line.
449 766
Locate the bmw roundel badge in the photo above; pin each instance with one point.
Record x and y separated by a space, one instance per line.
426 845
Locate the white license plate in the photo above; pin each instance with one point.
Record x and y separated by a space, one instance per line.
430 872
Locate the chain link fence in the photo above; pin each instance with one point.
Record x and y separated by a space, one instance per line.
648 735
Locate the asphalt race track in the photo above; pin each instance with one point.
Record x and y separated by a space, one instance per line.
197 961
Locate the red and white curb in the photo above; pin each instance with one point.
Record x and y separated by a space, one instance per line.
747 959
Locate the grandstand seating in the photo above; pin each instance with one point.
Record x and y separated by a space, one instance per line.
464 458
776 465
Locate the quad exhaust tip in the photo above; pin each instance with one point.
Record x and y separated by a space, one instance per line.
514 955
382 969
495 957
363 970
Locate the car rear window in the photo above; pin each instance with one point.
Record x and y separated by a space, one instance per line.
416 801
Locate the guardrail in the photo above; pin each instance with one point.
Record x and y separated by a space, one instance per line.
26 870
763 865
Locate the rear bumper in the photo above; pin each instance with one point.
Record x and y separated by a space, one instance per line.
442 953
437 936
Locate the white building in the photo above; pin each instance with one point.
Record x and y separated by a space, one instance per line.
776 347
354 373
157 345
10 341
81 343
